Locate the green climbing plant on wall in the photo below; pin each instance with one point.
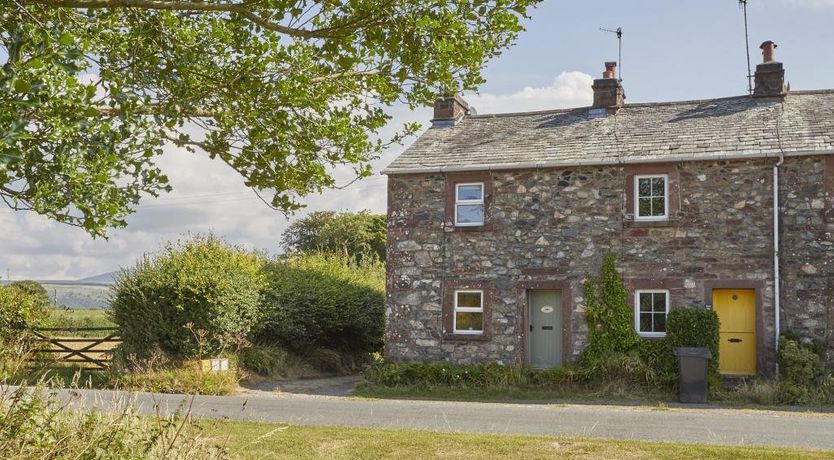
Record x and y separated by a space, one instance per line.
609 318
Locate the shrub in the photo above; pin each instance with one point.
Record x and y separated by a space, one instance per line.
34 289
694 327
436 374
610 326
19 312
190 300
826 390
798 365
815 344
324 301
618 376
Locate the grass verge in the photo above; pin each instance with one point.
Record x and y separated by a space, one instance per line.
247 440
601 394
35 425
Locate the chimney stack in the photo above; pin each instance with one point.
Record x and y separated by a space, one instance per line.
449 110
770 75
608 92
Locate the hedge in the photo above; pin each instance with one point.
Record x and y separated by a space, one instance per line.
20 311
190 300
324 301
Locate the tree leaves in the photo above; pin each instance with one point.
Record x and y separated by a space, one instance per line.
281 91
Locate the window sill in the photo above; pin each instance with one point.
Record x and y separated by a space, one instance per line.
652 337
448 337
471 228
631 223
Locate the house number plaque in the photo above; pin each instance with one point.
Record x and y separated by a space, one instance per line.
547 309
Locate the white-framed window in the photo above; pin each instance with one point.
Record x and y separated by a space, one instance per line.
469 312
469 204
651 197
651 307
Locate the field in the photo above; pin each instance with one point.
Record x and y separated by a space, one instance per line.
64 317
245 440
80 296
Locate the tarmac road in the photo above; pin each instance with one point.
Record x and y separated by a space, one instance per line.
696 425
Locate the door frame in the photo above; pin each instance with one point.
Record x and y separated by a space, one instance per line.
563 286
763 365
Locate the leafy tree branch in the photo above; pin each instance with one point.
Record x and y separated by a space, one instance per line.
282 91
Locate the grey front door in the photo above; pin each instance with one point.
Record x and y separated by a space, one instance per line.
545 337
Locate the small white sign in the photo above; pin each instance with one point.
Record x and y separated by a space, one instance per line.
219 365
547 309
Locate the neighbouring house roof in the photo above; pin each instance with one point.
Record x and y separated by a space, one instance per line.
730 128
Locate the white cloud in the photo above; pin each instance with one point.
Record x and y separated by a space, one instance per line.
569 89
209 196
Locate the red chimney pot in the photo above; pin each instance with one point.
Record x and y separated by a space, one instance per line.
610 70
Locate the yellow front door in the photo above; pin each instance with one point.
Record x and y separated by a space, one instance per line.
736 309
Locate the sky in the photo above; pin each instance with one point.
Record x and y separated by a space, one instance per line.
672 50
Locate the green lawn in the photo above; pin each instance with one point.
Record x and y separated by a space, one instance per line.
247 440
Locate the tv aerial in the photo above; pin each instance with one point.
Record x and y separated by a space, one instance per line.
619 32
743 5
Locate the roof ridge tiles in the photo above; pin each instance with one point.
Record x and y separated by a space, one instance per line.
643 104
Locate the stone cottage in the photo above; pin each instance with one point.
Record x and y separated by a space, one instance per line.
495 221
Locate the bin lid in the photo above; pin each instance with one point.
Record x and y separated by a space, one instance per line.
693 352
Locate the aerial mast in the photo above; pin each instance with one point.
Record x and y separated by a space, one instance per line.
743 5
619 33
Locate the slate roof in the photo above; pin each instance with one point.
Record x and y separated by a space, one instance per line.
735 127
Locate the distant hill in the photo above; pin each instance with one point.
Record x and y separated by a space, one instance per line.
79 296
88 293
104 278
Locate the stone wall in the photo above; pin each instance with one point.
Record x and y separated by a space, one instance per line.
807 250
554 226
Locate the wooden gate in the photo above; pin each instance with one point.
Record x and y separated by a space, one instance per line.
71 345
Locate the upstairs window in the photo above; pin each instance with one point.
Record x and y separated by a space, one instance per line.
469 204
650 310
469 312
651 197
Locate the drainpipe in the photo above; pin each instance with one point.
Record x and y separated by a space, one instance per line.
776 282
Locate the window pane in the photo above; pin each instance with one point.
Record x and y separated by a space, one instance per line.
470 192
470 214
660 322
658 186
645 302
658 206
469 299
644 187
659 302
645 207
645 322
465 321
